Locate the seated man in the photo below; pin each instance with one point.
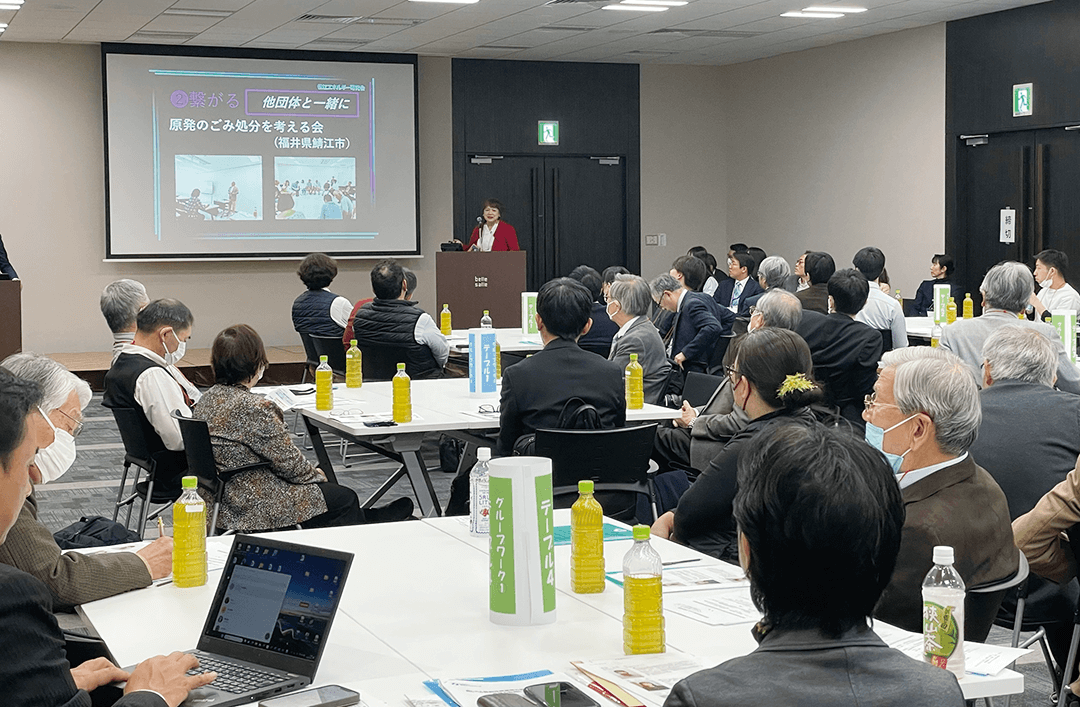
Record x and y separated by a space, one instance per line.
318 311
772 273
628 308
34 669
1052 272
72 578
816 647
598 340
881 311
1006 291
391 319
535 391
924 415
690 271
139 379
819 267
120 304
846 352
695 331
743 284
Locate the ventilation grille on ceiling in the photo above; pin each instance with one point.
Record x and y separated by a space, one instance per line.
502 47
161 35
350 20
574 2
328 43
648 52
709 33
565 28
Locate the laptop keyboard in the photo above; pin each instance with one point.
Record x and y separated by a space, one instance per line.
233 678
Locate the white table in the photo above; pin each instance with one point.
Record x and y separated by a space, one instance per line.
416 607
919 327
443 405
510 341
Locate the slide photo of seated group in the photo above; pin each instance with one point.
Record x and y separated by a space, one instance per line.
218 187
315 187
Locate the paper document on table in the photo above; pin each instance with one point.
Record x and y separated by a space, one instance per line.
464 692
646 677
687 579
716 609
106 549
428 700
979 658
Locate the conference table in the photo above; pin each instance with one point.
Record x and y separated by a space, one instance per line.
511 340
415 608
443 405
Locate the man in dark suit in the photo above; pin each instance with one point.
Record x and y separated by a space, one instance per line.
772 273
696 329
627 307
845 352
535 391
924 416
33 666
5 264
743 284
819 268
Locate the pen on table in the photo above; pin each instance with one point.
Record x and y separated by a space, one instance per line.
160 527
667 564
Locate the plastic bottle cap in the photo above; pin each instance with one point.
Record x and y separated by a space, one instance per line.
585 486
943 555
483 454
633 357
641 532
485 312
322 359
352 342
446 306
189 482
400 366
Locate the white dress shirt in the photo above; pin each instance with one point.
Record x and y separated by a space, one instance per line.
710 286
159 394
884 312
340 309
907 478
1065 297
624 328
428 334
487 237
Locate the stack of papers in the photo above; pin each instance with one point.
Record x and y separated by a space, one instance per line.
689 579
647 678
979 658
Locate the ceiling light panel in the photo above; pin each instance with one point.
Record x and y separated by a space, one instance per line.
814 15
635 8
847 10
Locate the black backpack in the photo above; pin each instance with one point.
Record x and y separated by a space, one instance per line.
576 415
94 531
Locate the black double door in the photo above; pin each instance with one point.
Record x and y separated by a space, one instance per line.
1034 172
567 211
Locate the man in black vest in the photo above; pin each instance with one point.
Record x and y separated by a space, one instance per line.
140 379
392 320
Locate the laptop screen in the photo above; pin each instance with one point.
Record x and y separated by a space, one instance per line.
277 596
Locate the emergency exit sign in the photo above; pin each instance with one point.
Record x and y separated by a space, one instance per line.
547 132
1022 100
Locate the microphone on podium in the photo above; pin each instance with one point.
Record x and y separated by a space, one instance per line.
479 225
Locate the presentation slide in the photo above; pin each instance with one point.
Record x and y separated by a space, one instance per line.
222 157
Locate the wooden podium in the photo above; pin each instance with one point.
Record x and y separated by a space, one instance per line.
473 282
10 317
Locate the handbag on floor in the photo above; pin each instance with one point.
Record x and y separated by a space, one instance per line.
95 531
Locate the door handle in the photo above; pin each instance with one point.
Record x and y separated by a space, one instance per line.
555 214
1042 155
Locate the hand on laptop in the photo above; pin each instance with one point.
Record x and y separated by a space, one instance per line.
97 672
158 557
167 676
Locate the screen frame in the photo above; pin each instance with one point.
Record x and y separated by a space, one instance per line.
170 50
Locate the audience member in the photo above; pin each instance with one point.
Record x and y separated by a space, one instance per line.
627 306
1052 274
732 293
392 320
884 284
121 301
923 416
598 339
35 669
819 268
941 273
881 311
318 311
846 352
772 380
535 391
773 272
1006 290
73 578
758 254
139 379
689 271
704 256
736 248
803 278
609 274
817 561
695 331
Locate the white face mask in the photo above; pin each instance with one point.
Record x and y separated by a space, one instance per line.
58 457
1045 284
173 357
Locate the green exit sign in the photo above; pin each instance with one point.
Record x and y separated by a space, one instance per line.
1022 100
547 132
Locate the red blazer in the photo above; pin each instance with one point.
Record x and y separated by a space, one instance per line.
505 237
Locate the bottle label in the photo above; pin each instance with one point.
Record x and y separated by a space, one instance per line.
479 508
194 508
941 633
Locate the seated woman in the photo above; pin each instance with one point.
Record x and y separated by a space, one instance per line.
317 310
941 273
772 379
247 429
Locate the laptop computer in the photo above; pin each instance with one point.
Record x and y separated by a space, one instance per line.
269 620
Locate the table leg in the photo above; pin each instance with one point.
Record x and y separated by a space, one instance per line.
409 448
320 449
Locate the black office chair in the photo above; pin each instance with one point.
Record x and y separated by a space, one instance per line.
1074 643
716 361
310 354
886 339
333 348
201 463
616 460
137 453
379 361
699 387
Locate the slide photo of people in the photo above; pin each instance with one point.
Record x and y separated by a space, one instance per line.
315 187
218 187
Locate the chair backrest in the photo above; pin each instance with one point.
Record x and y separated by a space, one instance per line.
333 349
616 460
982 603
199 451
699 387
309 350
886 340
716 361
131 423
380 361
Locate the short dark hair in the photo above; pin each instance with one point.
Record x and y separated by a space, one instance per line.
162 313
693 271
237 354
495 204
822 515
317 271
746 260
849 289
564 306
759 255
386 279
18 398
590 278
697 251
611 271
944 261
710 262
870 261
768 356
819 266
410 281
738 247
1055 259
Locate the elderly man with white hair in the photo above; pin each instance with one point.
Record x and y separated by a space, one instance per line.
121 301
1006 290
627 305
923 416
72 578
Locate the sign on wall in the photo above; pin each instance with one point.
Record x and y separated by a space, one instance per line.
1022 99
547 132
1008 226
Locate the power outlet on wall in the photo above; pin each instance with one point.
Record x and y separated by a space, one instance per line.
656 239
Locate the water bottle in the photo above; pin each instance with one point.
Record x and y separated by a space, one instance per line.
189 536
485 321
943 614
354 368
935 335
444 320
969 307
635 384
586 542
950 311
643 607
402 395
899 297
324 386
479 499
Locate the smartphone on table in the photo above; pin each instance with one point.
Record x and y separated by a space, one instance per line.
328 696
559 694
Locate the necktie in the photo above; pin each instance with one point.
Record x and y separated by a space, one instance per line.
736 294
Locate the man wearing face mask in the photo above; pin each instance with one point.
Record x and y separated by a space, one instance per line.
627 305
139 379
1051 271
923 416
72 578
